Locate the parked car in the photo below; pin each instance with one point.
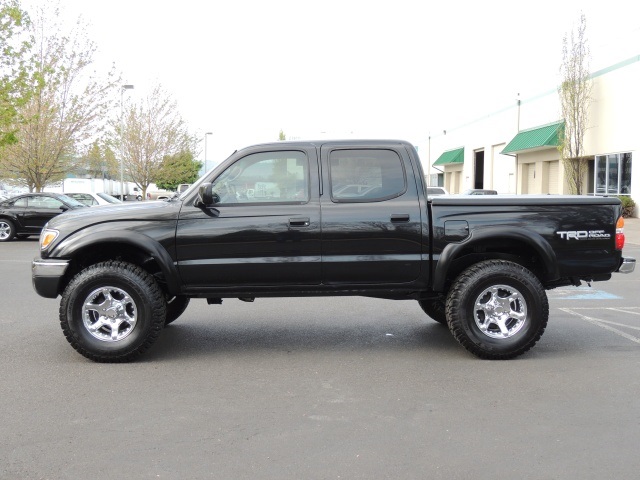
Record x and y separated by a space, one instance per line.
479 191
431 191
26 214
91 199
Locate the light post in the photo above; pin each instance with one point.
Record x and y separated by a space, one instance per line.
205 151
122 89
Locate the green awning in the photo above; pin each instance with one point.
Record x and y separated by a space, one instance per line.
537 138
452 156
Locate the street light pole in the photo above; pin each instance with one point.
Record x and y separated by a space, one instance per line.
205 151
122 89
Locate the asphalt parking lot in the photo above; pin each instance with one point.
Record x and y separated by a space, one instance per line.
351 388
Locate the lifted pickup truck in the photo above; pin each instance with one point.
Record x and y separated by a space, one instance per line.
298 219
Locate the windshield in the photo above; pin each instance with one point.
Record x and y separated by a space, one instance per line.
108 198
197 183
72 201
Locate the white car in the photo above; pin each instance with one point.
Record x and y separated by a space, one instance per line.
431 191
92 199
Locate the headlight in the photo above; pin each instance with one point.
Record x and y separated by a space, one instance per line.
47 236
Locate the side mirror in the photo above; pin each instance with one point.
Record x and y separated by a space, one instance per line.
205 196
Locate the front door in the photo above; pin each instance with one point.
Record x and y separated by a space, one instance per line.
265 228
371 216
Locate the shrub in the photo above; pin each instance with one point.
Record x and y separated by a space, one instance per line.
627 205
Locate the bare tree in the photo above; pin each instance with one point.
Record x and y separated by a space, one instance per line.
152 131
575 99
67 108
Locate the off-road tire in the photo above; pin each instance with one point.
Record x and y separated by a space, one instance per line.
119 280
435 308
497 290
176 307
7 230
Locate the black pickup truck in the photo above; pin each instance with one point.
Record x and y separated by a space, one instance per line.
294 219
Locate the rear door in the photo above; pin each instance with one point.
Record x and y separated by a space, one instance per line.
371 215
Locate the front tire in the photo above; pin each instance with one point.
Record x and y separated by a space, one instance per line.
112 311
497 309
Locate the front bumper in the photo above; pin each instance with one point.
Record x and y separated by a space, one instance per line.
46 275
627 265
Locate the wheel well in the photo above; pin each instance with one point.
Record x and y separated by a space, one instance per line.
101 252
496 249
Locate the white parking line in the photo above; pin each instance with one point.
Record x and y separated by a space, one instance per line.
604 323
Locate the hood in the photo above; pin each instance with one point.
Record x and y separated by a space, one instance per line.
120 212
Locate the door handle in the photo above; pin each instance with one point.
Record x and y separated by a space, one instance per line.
299 222
400 217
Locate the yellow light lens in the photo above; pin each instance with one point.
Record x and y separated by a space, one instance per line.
47 237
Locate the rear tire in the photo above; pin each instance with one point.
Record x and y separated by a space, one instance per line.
7 230
112 311
497 309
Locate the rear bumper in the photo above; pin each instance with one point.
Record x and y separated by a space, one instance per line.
627 265
46 276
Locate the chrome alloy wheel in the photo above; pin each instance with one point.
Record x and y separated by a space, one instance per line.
109 314
5 230
500 311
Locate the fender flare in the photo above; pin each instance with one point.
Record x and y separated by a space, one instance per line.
72 244
533 239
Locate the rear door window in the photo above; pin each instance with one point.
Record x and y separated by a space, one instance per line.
367 175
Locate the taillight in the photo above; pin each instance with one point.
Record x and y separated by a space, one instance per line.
620 234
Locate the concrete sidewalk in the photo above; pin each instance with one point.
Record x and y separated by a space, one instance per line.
632 231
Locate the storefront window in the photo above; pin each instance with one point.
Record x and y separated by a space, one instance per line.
613 174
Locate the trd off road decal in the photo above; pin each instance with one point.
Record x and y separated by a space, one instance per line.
584 234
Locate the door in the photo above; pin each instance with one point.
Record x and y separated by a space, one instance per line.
554 174
40 209
479 170
265 228
371 217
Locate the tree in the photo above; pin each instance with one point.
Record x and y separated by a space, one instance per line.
66 110
14 72
177 169
152 132
575 99
100 161
281 136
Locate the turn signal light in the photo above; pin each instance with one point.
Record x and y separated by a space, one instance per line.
46 237
620 234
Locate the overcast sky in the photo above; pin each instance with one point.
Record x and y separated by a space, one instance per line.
243 70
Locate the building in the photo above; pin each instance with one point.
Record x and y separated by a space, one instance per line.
514 150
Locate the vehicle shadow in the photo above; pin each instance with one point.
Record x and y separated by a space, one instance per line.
191 339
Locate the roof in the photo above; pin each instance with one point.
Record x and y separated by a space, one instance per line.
450 156
538 138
